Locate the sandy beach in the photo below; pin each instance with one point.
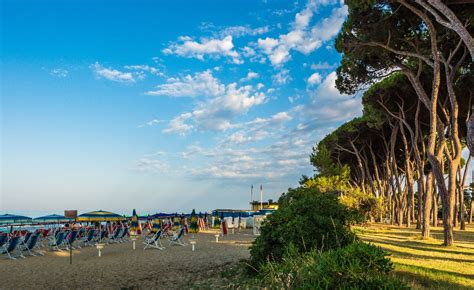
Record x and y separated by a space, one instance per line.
120 266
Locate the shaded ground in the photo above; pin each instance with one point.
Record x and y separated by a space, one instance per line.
426 263
122 267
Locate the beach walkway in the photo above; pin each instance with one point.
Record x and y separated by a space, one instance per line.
122 267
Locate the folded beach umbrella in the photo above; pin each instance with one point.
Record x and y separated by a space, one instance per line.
52 218
156 224
193 228
7 219
134 223
99 216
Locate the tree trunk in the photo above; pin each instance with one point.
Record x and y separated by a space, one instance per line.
435 208
452 22
471 208
456 209
461 192
427 202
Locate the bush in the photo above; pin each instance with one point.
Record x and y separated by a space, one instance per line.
357 266
306 219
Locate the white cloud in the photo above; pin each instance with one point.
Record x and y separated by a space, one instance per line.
323 66
199 84
153 165
59 72
178 125
248 51
328 105
112 74
235 31
220 103
151 123
282 77
314 79
145 68
258 129
187 47
302 37
280 159
250 76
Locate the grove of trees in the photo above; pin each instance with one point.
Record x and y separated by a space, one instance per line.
413 61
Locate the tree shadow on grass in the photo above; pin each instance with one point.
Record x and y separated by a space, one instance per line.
415 246
424 280
411 255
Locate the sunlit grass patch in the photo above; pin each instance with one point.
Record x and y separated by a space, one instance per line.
426 263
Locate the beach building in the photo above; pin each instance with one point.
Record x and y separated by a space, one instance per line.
257 205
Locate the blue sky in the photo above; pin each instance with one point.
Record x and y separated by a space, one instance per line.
163 105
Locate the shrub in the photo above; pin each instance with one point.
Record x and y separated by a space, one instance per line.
306 219
357 266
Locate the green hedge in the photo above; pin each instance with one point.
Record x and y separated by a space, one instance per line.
306 219
356 266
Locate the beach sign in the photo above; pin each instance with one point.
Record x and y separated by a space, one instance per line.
71 214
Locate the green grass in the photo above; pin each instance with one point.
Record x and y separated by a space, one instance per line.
426 264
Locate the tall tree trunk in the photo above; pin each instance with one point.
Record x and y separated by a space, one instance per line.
471 208
435 208
427 202
463 179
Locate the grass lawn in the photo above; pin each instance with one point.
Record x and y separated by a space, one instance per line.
426 264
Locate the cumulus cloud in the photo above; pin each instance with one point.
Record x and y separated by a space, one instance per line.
199 84
219 103
178 125
314 79
282 77
323 66
215 48
151 123
302 37
327 105
153 165
284 158
250 76
144 68
235 31
112 74
258 129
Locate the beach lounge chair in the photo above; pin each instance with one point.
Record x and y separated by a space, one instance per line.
54 245
177 239
154 242
71 238
3 240
101 236
25 239
87 241
32 242
116 236
12 246
124 237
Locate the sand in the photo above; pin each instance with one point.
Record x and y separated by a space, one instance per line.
120 266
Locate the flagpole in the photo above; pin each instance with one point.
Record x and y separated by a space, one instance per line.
261 197
251 194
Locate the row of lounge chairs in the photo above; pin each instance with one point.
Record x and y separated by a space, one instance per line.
32 243
26 245
155 241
